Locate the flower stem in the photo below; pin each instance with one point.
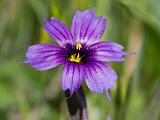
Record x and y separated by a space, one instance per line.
77 105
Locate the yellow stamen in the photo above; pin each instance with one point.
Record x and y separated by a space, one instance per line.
75 58
78 46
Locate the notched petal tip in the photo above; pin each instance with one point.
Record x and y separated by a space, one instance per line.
86 27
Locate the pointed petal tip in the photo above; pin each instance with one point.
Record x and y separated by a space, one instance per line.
45 19
93 10
108 96
20 62
25 62
132 52
127 53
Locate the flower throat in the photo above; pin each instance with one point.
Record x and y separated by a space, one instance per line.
75 56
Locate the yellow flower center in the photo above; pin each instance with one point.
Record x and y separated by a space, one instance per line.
76 57
78 46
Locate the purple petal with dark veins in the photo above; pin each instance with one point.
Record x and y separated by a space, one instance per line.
108 51
99 77
58 31
107 46
45 56
86 27
72 76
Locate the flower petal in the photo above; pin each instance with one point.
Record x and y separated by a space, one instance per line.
72 76
107 46
45 56
86 27
108 51
99 77
58 31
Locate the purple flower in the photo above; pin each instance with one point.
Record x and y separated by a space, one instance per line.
80 51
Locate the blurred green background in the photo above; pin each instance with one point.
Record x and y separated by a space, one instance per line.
27 94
